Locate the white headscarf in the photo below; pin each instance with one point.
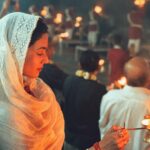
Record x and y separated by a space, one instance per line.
34 123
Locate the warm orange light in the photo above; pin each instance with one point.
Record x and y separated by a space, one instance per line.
64 35
79 19
140 3
122 81
101 62
146 121
98 9
44 12
77 24
58 18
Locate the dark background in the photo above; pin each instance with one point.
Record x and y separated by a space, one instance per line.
115 10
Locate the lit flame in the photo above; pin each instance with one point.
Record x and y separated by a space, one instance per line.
44 12
98 9
78 19
146 123
139 3
101 62
122 81
64 35
77 24
58 18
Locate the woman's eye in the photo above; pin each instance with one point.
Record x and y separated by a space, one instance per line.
40 54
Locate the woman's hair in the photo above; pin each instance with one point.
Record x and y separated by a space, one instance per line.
39 30
89 61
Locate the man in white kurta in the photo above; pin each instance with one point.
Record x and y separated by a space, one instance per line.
128 106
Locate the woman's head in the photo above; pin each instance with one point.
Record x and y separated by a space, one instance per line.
37 52
22 34
89 61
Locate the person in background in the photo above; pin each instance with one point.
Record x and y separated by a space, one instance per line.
33 10
30 116
7 4
52 75
128 106
135 20
117 57
69 22
93 30
83 95
49 18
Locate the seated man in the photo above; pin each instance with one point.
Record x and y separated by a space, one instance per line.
129 105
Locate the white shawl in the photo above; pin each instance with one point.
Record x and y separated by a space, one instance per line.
26 122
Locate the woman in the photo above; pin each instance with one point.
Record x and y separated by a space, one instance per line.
30 117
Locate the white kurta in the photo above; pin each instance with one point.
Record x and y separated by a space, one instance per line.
127 105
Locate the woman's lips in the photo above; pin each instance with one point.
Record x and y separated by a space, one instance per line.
39 69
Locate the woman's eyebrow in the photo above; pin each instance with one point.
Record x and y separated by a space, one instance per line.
42 48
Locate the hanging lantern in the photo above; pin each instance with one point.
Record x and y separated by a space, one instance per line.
146 124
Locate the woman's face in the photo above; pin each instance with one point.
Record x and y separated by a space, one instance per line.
36 57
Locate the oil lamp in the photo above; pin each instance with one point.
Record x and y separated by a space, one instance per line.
146 124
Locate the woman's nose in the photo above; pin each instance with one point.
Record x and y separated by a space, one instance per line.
45 59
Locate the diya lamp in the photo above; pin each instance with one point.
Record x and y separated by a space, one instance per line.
119 84
146 125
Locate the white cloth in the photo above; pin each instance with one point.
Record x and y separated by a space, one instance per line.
26 121
93 35
136 43
127 105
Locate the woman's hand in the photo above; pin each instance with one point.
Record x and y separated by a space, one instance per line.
115 139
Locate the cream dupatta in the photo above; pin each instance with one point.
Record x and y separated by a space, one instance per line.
26 122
